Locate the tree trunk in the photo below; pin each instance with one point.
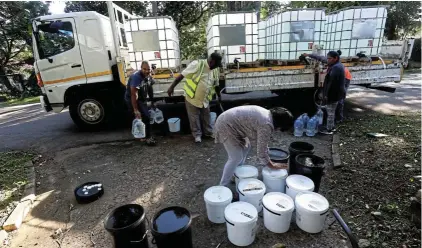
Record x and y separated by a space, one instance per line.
4 80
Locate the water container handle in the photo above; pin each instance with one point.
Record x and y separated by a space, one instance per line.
228 221
239 190
270 210
145 234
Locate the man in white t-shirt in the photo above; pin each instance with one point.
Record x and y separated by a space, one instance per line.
201 77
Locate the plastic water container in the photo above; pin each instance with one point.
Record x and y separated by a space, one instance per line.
278 209
241 222
252 190
158 116
244 172
151 116
311 211
311 127
213 118
298 127
305 119
298 183
274 180
138 129
217 198
320 116
174 125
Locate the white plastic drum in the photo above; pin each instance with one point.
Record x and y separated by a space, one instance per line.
251 190
311 211
274 180
244 172
298 183
278 209
241 222
217 198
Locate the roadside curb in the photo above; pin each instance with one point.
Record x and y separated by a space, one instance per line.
18 215
335 150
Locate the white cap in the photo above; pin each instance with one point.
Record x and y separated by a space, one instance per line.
218 195
268 172
251 186
278 202
246 171
312 202
300 183
239 213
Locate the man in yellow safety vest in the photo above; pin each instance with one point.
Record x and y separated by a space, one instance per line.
201 78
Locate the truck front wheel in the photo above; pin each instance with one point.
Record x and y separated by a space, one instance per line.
89 113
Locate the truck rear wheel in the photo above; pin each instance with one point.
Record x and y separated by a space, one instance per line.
89 113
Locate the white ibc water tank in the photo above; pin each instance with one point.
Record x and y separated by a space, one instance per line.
261 39
356 29
153 39
234 33
293 32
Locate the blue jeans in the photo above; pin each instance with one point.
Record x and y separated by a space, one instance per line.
340 105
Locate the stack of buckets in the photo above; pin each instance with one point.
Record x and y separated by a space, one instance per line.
278 196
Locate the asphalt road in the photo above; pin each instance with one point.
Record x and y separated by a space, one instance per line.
29 128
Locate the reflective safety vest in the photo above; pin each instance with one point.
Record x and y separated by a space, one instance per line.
347 74
193 80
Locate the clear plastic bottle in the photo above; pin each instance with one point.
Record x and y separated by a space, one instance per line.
311 127
138 129
305 119
320 116
298 132
151 116
158 116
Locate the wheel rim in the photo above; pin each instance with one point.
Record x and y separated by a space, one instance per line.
91 111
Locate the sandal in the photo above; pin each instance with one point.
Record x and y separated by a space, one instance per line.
151 141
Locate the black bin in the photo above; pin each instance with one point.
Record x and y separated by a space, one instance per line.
311 166
127 226
296 148
171 228
278 155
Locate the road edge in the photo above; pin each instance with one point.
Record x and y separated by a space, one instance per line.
335 151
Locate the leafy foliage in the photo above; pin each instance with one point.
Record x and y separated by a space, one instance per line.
134 7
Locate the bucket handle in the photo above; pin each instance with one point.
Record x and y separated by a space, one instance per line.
238 190
270 210
145 234
228 221
178 119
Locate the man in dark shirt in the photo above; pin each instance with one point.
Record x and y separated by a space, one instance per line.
138 89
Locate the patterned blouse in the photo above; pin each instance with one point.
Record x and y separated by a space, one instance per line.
252 122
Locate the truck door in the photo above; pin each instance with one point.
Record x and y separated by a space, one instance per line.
59 59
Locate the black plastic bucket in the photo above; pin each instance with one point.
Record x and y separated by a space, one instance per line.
295 149
127 226
278 155
170 228
311 166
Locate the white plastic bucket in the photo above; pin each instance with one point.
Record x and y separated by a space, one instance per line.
244 172
217 198
213 117
241 222
298 183
251 190
174 125
278 209
311 211
274 180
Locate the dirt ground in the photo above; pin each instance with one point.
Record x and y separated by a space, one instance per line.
176 172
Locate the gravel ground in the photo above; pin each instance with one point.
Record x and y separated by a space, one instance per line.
155 178
374 188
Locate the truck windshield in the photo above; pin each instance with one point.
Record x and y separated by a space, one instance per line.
54 38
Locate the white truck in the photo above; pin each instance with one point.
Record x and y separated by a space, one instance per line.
82 62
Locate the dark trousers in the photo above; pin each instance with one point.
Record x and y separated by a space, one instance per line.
340 105
143 108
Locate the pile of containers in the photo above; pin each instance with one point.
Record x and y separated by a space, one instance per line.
155 40
309 126
234 33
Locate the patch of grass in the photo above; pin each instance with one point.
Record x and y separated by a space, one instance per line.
13 175
15 102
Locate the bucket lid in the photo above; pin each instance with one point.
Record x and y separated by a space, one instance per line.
251 186
312 202
278 202
88 192
277 154
268 172
218 194
171 220
300 183
246 171
240 213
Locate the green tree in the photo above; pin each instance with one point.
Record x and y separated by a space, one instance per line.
15 38
133 7
402 18
270 7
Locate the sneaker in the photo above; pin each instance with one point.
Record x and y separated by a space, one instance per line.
209 136
198 140
325 131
